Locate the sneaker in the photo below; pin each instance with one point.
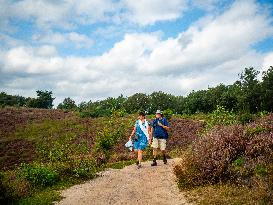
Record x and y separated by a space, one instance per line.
139 166
154 163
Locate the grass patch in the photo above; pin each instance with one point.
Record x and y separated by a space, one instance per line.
227 194
44 197
120 165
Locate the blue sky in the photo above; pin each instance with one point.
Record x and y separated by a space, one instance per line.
91 50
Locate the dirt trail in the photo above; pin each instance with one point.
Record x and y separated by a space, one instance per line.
148 185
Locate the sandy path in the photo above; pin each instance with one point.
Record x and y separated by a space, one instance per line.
148 185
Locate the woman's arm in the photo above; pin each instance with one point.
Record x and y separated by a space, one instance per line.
150 131
151 134
133 132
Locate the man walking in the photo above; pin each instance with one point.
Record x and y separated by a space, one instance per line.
160 126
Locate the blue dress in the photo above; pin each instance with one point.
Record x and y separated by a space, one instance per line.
141 141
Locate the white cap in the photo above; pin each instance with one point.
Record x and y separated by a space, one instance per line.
158 112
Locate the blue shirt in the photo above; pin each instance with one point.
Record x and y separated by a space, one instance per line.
160 132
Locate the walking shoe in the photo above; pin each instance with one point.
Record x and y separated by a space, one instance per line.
154 163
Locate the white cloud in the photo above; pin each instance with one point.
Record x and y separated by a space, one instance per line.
67 39
148 12
206 45
268 61
68 14
46 51
47 14
213 50
31 60
126 54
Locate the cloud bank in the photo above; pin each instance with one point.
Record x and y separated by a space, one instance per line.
210 51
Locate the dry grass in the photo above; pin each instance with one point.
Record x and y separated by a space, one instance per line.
226 194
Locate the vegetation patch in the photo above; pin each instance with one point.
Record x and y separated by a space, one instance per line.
231 157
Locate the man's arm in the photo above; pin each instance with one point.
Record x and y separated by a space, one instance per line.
166 126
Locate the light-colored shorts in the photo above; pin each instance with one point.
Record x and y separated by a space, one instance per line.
159 143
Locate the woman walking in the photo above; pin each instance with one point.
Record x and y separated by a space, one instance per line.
142 134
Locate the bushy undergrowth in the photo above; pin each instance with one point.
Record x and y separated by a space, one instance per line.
39 175
67 151
106 139
238 154
13 186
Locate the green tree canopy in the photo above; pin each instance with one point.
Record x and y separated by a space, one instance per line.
67 104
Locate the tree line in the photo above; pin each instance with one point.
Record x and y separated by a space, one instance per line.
44 100
248 94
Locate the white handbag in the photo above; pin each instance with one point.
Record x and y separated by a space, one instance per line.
129 145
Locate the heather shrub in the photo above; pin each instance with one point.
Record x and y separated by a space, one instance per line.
213 153
183 132
188 173
238 154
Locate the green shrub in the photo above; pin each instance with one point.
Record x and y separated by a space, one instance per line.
260 170
168 113
84 114
119 113
107 138
251 131
239 162
221 116
39 175
84 169
246 118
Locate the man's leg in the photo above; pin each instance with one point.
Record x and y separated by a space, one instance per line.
164 156
154 157
155 147
154 152
163 150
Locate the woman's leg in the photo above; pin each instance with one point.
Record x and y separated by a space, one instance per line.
136 156
139 156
